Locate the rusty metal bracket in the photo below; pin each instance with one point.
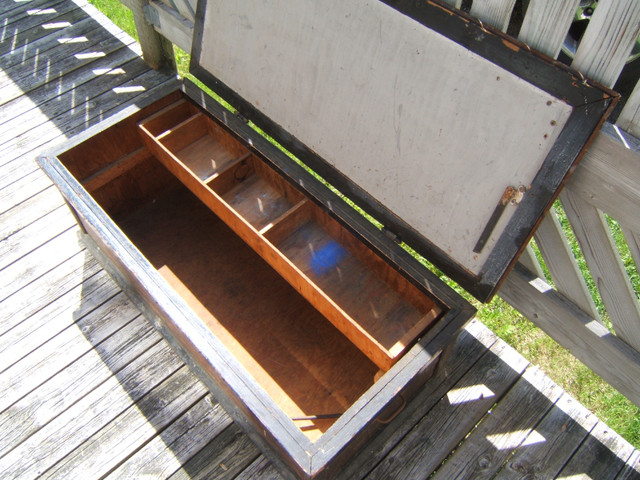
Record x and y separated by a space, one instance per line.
511 195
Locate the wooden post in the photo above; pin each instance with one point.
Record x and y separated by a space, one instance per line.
157 51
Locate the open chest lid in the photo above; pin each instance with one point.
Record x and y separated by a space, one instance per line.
454 136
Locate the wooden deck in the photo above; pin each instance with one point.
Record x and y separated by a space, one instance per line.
89 390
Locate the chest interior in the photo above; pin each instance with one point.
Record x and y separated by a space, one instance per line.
308 309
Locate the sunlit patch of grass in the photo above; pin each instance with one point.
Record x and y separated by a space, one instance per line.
118 14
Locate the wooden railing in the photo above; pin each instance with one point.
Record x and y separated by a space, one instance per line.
605 184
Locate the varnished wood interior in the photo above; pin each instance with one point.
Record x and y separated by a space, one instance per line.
115 167
306 365
255 191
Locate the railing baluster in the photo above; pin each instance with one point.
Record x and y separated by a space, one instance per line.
562 264
601 254
546 24
608 40
494 12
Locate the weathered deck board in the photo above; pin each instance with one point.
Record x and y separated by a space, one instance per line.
28 238
55 283
562 430
223 458
63 312
602 455
187 435
471 348
23 189
62 435
424 448
30 17
22 272
27 212
89 389
509 424
24 78
64 348
51 96
129 431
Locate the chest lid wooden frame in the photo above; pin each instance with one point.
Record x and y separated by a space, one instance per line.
452 135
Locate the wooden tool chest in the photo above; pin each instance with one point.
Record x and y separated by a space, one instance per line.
283 267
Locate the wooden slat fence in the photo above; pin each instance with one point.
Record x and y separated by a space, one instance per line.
605 188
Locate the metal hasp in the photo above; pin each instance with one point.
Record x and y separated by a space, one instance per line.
511 196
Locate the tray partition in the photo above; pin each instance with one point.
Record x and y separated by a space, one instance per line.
374 306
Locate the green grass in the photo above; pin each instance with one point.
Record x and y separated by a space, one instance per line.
609 405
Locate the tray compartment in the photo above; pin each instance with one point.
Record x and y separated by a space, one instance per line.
255 192
200 144
383 305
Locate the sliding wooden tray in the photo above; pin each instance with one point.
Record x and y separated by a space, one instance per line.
289 317
376 308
